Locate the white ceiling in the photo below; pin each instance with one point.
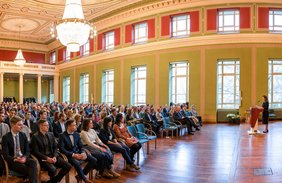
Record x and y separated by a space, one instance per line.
37 16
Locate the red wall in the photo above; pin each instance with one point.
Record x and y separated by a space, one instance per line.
263 21
100 41
165 25
128 33
117 36
61 54
245 18
211 19
30 57
151 28
195 21
91 43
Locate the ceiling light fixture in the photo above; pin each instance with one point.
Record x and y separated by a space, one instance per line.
19 60
73 30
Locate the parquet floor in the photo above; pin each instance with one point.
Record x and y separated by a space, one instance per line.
219 153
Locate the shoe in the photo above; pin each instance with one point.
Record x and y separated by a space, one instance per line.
265 131
107 174
190 133
135 167
198 129
129 168
78 179
87 181
98 175
114 174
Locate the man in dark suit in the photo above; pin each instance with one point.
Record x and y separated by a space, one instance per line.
59 126
45 149
70 144
30 123
182 119
15 149
12 113
43 115
148 118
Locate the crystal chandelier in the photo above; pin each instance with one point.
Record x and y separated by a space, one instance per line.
19 60
73 30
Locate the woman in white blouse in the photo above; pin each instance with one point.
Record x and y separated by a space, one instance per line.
97 149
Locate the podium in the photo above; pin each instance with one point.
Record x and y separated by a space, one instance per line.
254 114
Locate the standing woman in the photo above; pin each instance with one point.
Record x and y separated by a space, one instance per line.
265 106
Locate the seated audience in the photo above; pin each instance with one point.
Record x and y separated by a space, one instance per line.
107 136
98 149
125 136
70 144
59 126
29 122
44 148
15 150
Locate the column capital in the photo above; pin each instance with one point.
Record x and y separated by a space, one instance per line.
39 75
21 74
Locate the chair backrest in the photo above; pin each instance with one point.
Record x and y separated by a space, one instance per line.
165 121
141 128
132 130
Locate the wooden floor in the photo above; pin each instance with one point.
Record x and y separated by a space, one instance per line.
219 153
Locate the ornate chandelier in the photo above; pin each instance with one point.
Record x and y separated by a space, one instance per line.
19 60
73 30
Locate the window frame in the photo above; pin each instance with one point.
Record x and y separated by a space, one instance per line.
107 36
272 30
173 79
188 25
138 39
271 92
84 88
86 48
105 86
135 96
53 57
66 96
67 55
234 31
237 103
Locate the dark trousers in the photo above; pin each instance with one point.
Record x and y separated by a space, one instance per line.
104 160
188 123
52 169
29 169
91 164
200 120
124 150
134 149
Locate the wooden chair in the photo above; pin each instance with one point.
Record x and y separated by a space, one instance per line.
40 170
91 174
10 173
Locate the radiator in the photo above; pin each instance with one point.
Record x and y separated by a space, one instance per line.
222 113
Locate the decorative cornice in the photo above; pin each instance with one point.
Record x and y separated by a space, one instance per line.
26 46
28 68
229 39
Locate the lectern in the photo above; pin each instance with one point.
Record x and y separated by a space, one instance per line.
254 114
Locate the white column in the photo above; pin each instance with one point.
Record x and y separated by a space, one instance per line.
21 88
1 86
39 88
56 88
